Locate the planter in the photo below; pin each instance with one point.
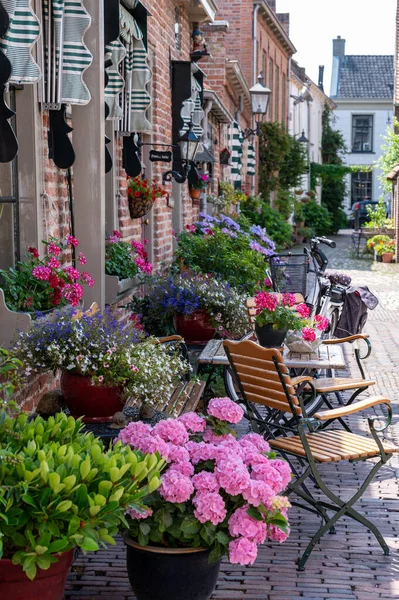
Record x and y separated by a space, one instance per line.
170 573
96 403
117 289
295 343
269 337
194 193
138 207
47 585
387 257
195 328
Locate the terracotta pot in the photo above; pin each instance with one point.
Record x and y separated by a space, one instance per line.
387 257
195 328
170 573
194 193
269 337
47 585
95 403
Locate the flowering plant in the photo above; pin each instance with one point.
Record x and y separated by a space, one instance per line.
201 183
377 240
41 284
141 188
184 293
103 348
226 247
126 259
217 493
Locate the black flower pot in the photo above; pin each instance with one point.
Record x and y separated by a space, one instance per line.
269 337
170 573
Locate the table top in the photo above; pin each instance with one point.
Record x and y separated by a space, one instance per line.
326 357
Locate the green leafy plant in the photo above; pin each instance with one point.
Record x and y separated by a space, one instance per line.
60 490
385 247
390 156
317 218
10 378
377 214
125 259
377 240
278 312
269 218
201 183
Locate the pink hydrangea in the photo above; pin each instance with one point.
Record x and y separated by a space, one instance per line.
82 258
205 482
176 487
242 551
135 514
172 430
228 448
72 241
72 273
200 451
41 273
184 467
209 506
254 439
303 310
193 422
53 263
277 535
284 469
225 410
177 453
134 432
308 334
212 438
257 493
54 249
276 476
241 524
232 476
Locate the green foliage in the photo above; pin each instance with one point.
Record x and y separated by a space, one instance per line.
283 317
377 214
293 165
390 156
273 221
380 243
285 202
120 259
9 373
60 490
317 218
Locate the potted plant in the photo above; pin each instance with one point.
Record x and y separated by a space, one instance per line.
141 196
387 251
299 216
125 262
103 362
274 317
60 490
307 338
195 189
301 233
376 243
197 306
218 496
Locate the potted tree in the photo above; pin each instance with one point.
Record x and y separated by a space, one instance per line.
126 265
59 490
218 496
103 362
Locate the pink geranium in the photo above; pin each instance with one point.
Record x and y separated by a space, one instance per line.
303 310
308 334
41 273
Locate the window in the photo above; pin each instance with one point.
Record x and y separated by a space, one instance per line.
271 73
362 133
277 95
177 29
264 64
362 186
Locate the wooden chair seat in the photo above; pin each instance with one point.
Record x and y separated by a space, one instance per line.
332 446
323 385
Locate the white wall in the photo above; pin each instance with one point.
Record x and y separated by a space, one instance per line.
380 109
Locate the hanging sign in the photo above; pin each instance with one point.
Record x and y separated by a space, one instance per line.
160 156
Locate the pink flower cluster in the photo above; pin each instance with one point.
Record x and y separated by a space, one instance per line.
265 301
303 310
217 477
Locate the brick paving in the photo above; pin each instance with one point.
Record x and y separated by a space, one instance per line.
346 566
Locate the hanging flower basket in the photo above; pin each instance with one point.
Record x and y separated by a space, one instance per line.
194 193
142 195
139 206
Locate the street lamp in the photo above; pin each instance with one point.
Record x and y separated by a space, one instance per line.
303 139
183 161
189 143
260 97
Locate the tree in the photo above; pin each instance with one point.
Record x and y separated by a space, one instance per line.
390 156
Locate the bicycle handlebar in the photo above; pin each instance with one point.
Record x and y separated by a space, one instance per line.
324 240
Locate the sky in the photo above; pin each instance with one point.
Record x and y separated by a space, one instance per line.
368 27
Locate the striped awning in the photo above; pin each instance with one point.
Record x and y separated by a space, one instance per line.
251 161
137 74
65 56
192 108
18 41
116 52
236 153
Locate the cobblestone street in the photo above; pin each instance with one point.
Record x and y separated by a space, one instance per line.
346 566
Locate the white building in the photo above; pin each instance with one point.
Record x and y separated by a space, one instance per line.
362 88
307 102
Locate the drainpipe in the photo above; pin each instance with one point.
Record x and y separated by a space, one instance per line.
207 110
255 65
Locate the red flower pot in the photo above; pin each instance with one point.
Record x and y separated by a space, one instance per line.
96 403
195 328
47 585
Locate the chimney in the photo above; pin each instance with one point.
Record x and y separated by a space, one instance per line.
339 48
272 4
321 78
284 19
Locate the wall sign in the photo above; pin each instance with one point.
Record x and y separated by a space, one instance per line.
160 156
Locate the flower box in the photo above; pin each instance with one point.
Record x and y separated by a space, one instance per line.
10 321
117 289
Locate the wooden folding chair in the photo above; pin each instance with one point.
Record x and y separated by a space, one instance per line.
264 380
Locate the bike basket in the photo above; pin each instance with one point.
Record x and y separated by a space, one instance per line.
289 273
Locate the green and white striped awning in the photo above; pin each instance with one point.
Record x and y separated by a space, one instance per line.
65 56
192 108
116 51
18 42
251 161
236 153
137 74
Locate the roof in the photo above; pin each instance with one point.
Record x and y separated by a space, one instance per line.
368 76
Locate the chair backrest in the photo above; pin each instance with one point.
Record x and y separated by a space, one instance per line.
90 312
260 374
251 309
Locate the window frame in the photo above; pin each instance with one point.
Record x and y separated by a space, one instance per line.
369 133
356 179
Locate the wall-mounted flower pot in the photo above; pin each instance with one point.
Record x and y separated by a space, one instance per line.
138 206
117 289
10 322
194 193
